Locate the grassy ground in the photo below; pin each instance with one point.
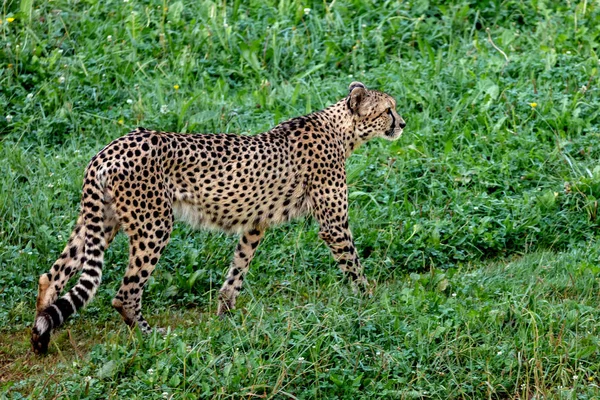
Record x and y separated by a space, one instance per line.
479 225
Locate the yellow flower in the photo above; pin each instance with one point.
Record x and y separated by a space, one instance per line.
11 19
121 122
533 105
176 87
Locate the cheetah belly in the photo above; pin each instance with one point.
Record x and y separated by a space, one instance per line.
256 208
191 214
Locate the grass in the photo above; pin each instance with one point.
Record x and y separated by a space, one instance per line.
479 225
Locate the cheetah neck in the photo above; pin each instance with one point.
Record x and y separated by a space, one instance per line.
341 122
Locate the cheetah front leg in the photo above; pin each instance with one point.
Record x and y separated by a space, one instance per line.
339 240
331 211
235 277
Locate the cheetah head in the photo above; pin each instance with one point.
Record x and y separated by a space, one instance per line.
374 114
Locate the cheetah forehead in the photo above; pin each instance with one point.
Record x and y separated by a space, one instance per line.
378 101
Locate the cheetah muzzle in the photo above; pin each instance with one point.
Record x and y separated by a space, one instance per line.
140 183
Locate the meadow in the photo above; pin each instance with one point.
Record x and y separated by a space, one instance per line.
479 225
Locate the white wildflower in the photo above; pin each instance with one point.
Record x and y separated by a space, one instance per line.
150 371
453 294
109 38
61 79
306 11
88 378
499 353
301 359
164 109
29 96
9 118
129 101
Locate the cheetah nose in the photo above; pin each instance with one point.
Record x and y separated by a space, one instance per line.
402 124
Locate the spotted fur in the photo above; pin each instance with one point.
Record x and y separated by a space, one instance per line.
141 182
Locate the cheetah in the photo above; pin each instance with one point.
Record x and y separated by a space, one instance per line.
140 183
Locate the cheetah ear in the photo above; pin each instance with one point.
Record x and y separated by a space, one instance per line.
358 92
355 85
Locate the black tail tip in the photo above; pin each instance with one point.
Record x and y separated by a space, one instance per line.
40 334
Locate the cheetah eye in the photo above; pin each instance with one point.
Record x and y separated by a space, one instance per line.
387 111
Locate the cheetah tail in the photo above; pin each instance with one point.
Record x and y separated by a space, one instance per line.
92 210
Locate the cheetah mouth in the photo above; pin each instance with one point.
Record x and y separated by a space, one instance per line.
394 133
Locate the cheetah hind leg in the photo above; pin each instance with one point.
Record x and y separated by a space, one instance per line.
144 253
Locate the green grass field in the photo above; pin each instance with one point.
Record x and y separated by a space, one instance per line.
479 225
